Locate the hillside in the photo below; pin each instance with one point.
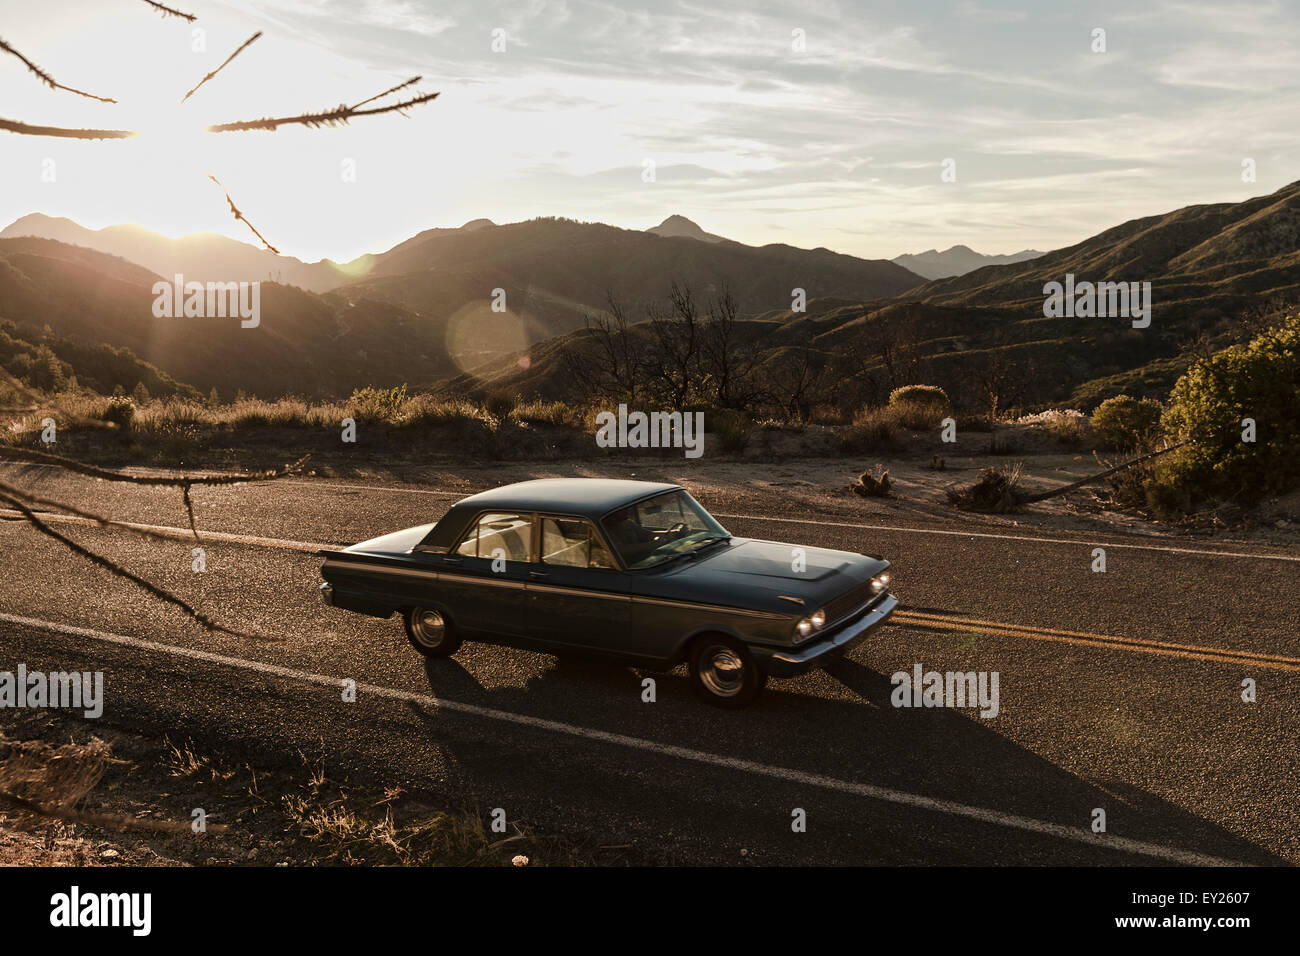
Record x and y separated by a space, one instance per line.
199 257
567 261
306 343
1210 256
1211 267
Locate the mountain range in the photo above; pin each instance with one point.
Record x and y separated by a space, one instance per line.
423 311
1211 267
956 261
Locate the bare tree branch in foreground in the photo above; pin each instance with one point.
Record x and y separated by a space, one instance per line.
379 96
62 132
114 568
49 80
239 216
38 501
169 12
21 501
338 116
224 63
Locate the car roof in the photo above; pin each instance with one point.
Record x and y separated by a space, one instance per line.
590 497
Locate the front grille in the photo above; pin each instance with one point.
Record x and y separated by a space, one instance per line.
848 602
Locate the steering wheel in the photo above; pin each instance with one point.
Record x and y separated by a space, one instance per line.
668 534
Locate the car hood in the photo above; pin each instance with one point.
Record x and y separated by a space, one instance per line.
767 575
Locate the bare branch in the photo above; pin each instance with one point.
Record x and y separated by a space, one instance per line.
379 96
24 129
242 47
49 80
239 216
169 12
90 471
335 117
110 566
103 522
1055 492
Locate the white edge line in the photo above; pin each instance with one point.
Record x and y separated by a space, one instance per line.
168 531
870 791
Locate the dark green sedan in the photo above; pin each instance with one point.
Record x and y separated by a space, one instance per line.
633 572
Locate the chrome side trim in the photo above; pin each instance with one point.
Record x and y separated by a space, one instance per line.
698 606
460 577
560 589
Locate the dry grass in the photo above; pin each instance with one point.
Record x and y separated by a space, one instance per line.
995 490
56 778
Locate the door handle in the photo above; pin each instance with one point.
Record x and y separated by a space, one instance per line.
450 560
538 575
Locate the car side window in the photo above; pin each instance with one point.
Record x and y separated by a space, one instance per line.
498 535
573 543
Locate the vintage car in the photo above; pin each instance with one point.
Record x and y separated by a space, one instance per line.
633 572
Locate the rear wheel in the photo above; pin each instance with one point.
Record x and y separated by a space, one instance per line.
430 632
724 672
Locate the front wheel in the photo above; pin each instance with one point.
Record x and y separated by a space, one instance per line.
724 672
430 632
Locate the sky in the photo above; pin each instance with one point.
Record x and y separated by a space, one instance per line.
828 123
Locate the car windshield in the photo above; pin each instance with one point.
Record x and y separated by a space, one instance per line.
661 528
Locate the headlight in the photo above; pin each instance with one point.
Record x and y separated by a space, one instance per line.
813 622
880 582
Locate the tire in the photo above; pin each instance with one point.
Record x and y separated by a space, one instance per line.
430 631
724 672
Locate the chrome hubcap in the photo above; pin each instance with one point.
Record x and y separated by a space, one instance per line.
428 627
722 671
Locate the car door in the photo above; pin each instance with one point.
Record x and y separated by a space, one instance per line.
577 595
482 577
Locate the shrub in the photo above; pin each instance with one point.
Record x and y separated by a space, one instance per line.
286 413
870 431
1207 406
119 411
426 411
171 417
731 429
1125 422
995 490
1063 424
556 414
500 404
930 395
378 404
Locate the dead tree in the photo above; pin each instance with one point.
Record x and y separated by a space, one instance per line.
677 335
727 365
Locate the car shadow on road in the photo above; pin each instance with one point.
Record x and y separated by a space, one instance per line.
938 753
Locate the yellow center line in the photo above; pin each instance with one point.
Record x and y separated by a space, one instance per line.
956 622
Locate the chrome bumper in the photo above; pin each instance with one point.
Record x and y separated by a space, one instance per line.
820 653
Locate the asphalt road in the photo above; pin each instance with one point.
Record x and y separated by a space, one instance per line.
1120 690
